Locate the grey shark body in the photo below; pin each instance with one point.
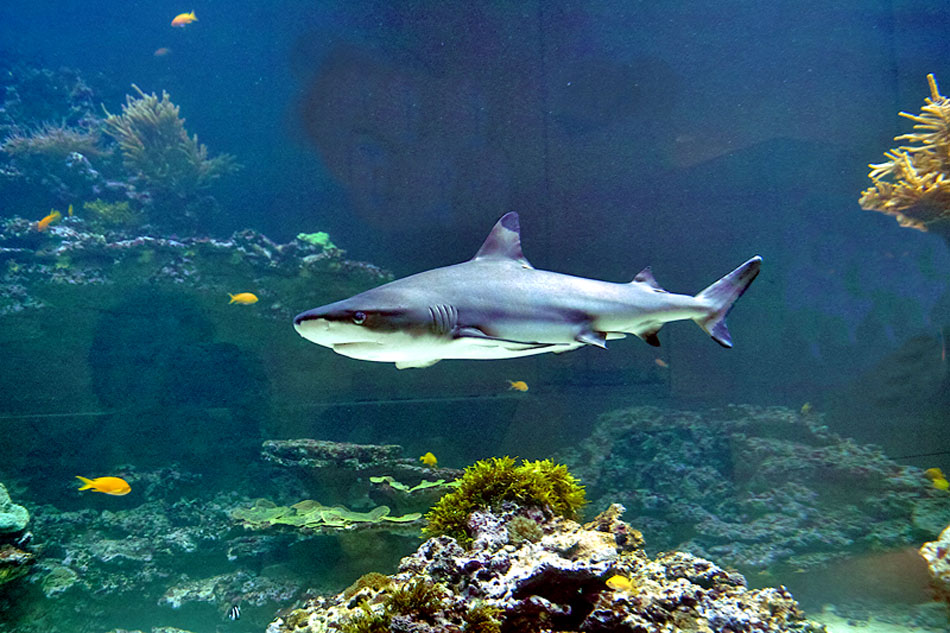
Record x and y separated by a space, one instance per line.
497 305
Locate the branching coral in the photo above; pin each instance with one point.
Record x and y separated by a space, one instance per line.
53 141
913 185
489 482
156 146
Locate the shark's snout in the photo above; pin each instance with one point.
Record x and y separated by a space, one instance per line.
309 315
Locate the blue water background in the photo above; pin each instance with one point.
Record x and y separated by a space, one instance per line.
683 135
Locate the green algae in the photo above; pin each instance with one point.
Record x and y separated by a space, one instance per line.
487 483
319 238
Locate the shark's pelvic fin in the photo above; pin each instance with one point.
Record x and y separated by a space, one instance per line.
720 297
504 241
650 337
420 364
590 337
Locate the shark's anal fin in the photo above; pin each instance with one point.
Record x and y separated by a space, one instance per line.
590 337
416 364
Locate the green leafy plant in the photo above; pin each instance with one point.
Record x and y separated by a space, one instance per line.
489 482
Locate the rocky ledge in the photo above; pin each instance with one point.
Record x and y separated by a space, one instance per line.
527 572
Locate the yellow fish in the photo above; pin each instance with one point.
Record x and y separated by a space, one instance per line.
518 385
43 224
109 485
182 19
934 474
620 583
806 408
70 211
244 298
429 460
941 484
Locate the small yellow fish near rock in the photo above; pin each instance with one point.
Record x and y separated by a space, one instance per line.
620 583
53 216
244 298
182 19
109 485
518 385
429 460
940 480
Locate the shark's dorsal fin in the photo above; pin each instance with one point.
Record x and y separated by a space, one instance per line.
504 241
645 276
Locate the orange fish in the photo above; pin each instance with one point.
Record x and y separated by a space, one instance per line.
244 298
109 485
161 52
184 18
661 363
518 385
43 224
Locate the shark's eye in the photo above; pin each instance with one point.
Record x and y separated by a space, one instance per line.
359 318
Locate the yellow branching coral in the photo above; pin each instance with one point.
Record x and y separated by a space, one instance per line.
913 185
156 146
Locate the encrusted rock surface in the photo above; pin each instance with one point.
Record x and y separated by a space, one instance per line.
555 582
937 555
754 487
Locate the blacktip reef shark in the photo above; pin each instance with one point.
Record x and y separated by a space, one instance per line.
497 305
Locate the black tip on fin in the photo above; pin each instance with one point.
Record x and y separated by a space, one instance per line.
651 339
504 241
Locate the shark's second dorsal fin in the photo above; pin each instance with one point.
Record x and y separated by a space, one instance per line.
504 241
645 276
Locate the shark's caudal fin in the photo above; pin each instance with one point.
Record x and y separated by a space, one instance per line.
721 295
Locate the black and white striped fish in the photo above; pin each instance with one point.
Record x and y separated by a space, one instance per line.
234 613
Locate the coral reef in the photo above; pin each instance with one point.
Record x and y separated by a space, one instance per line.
77 251
53 152
937 555
53 141
913 185
490 482
155 145
554 584
758 488
13 517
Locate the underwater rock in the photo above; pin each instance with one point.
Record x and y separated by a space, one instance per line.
556 583
224 590
754 487
308 455
84 251
14 563
13 517
937 555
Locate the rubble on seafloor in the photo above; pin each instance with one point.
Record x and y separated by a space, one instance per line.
554 581
758 488
74 252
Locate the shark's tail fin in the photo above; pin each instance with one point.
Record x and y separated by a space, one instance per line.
721 295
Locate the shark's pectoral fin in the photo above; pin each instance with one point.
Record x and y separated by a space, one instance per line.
416 364
590 337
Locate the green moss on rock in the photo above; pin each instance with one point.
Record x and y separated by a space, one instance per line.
489 482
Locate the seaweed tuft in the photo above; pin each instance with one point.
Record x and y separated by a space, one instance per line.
482 618
488 483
